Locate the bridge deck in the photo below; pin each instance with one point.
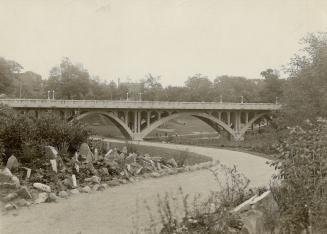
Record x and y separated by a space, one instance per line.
113 104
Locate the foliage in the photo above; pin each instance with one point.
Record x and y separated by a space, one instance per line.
305 91
24 136
8 71
183 214
302 170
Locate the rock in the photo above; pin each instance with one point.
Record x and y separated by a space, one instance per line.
95 187
85 152
74 191
12 163
42 187
51 152
7 186
63 194
93 179
172 162
155 174
102 187
10 196
113 183
96 154
131 158
68 182
41 198
104 171
10 206
52 197
86 189
5 175
124 150
22 202
15 180
24 193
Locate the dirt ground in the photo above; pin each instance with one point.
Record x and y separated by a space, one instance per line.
112 210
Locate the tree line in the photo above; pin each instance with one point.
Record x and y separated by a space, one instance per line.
303 91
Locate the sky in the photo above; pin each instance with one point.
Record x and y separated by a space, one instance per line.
173 39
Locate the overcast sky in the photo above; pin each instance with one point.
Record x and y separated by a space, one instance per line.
170 38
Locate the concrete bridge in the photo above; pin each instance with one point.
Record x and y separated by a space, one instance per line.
136 119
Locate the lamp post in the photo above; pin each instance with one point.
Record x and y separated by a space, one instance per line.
53 94
127 96
48 94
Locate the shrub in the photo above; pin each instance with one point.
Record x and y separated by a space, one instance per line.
180 215
25 136
302 164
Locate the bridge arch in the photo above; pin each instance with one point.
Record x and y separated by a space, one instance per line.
122 126
248 124
201 116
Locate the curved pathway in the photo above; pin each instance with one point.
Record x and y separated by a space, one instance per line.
113 210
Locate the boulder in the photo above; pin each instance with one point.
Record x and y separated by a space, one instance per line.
63 194
52 197
10 196
104 171
22 202
113 183
15 180
172 162
68 182
41 198
5 175
124 150
10 206
42 187
95 187
5 185
24 193
74 191
85 152
12 163
51 152
93 179
86 189
102 187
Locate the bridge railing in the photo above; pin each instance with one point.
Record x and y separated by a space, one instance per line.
57 103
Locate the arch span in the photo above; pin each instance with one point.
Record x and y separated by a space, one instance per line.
201 116
125 130
255 118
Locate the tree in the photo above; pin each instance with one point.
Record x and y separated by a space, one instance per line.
199 88
152 88
8 71
70 81
231 88
272 86
305 91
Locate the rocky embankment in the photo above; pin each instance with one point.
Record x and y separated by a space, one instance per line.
85 172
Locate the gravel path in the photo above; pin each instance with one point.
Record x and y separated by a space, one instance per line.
112 210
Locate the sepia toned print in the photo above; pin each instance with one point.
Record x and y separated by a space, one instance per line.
163 116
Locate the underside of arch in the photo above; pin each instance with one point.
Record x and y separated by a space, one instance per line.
252 121
124 129
210 120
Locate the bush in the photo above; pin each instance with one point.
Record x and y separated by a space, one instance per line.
302 164
180 214
25 136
